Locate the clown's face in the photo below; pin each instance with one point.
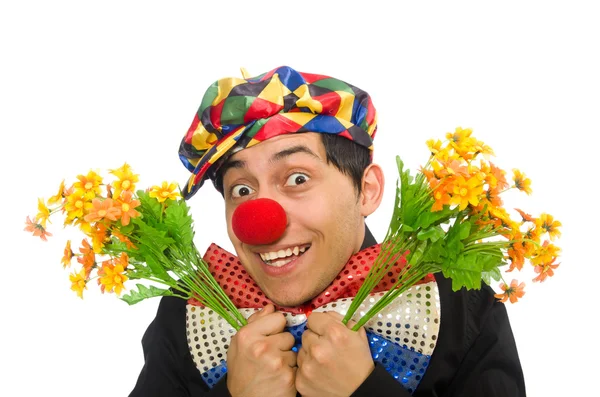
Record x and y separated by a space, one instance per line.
325 216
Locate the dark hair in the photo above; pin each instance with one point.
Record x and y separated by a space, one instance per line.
348 157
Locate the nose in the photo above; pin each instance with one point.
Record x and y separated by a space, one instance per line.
260 221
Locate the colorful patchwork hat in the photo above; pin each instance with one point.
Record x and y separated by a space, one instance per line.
238 113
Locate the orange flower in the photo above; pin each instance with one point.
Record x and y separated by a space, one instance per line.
102 209
37 229
68 255
127 207
99 234
547 223
512 293
545 270
516 254
441 198
124 239
88 258
521 182
524 216
164 192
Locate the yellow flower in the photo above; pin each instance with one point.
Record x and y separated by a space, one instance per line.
78 281
547 223
58 196
466 191
89 184
75 205
521 182
127 179
435 146
164 192
112 276
43 213
545 254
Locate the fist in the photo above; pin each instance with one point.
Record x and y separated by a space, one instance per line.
333 360
260 361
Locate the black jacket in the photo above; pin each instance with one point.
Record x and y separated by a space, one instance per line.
475 354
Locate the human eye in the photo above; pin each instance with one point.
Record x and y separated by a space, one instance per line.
241 191
297 178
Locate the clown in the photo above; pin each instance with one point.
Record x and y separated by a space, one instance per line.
291 154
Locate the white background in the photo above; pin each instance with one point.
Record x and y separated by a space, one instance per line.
90 85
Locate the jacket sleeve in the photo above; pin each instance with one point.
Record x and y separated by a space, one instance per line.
491 366
168 366
476 353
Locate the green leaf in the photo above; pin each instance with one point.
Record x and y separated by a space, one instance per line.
414 258
433 233
179 224
149 235
149 207
494 273
464 270
144 292
436 252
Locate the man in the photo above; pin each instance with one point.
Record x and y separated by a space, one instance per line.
305 141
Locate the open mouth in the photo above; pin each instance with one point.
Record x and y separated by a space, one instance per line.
283 257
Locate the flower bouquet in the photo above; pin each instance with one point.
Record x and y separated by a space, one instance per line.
450 218
133 235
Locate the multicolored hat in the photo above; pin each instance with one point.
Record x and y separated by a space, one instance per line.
238 113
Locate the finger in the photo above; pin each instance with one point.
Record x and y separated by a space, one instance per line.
335 315
319 322
284 341
309 338
270 324
290 358
301 357
268 309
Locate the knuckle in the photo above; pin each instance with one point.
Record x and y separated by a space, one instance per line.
338 336
258 349
242 336
276 364
319 354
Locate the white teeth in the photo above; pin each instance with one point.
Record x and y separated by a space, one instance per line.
282 254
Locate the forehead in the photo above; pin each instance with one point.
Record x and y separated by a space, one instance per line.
269 149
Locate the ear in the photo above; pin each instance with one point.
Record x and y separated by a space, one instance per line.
372 189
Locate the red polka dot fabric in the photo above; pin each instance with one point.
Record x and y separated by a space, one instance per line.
245 293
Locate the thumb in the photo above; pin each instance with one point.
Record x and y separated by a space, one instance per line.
268 309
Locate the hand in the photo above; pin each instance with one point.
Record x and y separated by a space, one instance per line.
333 360
259 360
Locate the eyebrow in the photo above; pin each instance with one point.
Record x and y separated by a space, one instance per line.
282 155
279 156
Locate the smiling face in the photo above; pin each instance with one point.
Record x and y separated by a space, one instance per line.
325 215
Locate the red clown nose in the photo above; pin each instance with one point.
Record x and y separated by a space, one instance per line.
258 222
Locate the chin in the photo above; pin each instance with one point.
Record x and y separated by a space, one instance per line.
291 298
